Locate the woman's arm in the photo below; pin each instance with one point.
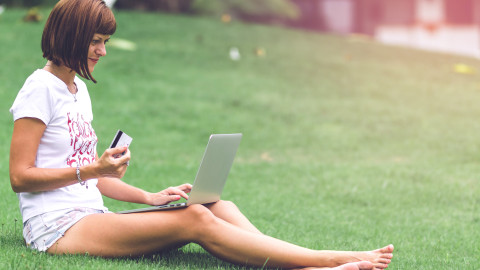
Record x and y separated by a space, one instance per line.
25 177
117 189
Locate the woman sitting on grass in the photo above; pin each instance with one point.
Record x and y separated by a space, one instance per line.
60 180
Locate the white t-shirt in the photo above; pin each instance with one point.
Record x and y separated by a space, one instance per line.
68 139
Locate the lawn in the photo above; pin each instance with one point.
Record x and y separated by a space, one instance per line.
348 144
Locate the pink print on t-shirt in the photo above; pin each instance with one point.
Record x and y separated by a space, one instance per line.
83 140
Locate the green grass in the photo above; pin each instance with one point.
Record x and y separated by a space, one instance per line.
348 144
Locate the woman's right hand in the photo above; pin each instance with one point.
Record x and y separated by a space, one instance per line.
26 177
113 163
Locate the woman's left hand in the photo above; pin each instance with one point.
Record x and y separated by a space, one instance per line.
169 195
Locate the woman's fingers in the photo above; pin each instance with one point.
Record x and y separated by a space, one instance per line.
176 191
114 161
185 187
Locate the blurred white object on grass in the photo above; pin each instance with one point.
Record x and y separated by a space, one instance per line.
122 44
234 54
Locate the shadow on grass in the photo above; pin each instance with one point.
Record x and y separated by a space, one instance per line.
189 257
11 241
11 234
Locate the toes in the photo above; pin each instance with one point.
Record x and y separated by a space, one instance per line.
385 261
388 249
380 266
386 256
365 265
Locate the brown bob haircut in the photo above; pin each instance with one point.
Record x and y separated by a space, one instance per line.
69 31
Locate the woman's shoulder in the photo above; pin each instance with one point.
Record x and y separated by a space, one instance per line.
41 76
34 83
42 82
34 98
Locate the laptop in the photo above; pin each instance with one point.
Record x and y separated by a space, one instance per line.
211 175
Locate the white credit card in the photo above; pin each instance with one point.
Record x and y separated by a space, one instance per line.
121 139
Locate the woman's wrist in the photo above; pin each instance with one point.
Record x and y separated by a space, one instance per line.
87 172
147 198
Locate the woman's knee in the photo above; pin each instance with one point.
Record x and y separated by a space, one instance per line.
203 219
200 214
229 205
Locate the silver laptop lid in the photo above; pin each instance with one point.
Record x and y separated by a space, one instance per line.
214 168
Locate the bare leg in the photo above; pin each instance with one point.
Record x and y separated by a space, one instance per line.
349 266
229 212
113 235
261 250
380 257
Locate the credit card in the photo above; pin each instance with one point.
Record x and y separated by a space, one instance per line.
121 139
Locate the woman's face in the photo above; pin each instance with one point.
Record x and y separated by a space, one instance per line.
96 49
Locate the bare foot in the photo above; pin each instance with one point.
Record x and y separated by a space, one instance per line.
348 266
355 266
380 258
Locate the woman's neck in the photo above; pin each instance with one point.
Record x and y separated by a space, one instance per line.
66 74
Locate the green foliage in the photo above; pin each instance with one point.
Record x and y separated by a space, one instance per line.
264 10
248 10
176 6
28 3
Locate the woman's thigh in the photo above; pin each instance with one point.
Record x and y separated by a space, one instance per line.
114 235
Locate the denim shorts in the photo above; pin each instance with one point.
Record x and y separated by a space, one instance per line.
42 231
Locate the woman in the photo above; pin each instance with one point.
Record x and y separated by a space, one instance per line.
59 178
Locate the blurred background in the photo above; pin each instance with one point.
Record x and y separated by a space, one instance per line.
450 26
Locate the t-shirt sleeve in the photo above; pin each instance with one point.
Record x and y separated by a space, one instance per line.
33 100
